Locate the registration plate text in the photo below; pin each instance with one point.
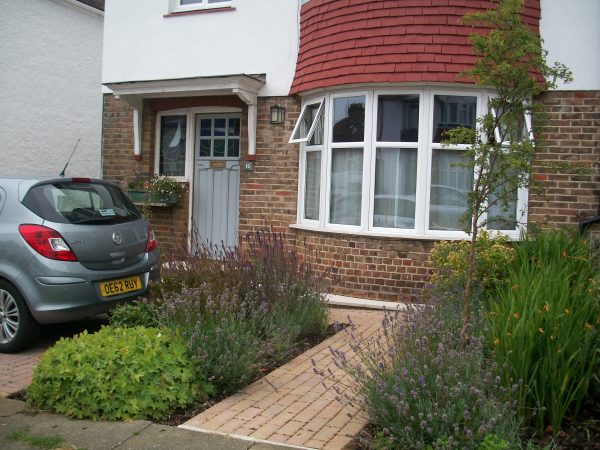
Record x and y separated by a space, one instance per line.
122 286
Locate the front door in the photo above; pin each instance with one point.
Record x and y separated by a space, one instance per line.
217 178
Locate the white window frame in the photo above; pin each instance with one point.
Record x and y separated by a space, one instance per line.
306 148
315 121
190 135
176 6
425 147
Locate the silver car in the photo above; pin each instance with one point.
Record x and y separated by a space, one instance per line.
70 248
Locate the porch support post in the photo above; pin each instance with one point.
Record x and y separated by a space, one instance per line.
251 100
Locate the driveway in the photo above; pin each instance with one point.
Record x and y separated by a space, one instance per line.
16 370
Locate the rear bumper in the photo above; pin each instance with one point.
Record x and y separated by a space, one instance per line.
72 292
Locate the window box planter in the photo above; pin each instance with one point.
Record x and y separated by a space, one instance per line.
137 196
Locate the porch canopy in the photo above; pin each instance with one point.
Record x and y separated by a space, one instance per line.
246 87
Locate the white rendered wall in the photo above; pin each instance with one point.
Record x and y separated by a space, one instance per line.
259 36
571 33
50 88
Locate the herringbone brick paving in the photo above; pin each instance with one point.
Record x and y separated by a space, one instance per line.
290 405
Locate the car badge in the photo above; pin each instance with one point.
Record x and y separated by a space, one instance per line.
117 239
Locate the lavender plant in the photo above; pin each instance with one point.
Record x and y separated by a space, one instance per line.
421 388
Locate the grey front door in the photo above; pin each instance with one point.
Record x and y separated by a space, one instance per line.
217 178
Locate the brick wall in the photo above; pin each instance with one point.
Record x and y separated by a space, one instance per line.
573 136
374 268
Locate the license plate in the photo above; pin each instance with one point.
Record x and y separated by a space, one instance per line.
122 286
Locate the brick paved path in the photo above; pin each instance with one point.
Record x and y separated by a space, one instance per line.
16 370
290 405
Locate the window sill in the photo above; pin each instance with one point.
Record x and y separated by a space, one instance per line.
439 236
199 11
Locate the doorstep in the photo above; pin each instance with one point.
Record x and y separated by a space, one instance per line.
290 406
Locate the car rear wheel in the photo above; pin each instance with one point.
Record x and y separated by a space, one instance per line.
17 327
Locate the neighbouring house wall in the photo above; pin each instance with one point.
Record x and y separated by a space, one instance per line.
50 88
572 36
254 37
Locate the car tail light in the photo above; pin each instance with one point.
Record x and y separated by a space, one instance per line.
47 242
151 245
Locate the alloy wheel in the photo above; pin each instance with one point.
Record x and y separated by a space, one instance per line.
9 317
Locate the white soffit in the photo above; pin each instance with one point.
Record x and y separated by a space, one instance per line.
246 87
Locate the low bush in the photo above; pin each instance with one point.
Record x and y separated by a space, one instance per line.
449 260
221 338
421 389
243 309
142 312
543 326
115 374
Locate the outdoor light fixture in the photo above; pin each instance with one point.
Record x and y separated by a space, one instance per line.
277 114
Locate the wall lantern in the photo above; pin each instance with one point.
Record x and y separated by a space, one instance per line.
277 114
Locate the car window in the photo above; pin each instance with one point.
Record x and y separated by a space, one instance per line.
80 203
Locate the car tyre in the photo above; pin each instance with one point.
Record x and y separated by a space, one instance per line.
18 328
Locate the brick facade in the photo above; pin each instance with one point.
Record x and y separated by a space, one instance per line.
391 269
573 137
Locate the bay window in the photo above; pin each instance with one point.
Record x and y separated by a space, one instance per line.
372 163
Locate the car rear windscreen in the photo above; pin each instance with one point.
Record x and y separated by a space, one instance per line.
80 203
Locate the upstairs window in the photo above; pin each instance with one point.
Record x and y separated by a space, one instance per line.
192 5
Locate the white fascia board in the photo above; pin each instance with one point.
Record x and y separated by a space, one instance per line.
200 86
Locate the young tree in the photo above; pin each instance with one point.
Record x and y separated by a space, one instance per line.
511 61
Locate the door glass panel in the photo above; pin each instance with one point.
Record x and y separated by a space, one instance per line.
204 147
349 119
220 127
395 187
450 187
346 186
452 111
233 148
219 147
312 185
172 145
398 118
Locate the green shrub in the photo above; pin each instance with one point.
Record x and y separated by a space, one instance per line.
421 388
449 260
544 326
138 313
243 309
221 339
114 374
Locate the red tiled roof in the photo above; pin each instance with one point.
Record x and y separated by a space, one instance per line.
387 41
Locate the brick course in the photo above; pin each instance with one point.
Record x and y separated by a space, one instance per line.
390 269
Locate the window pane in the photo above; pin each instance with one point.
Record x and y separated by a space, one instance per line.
346 185
502 216
349 119
452 111
306 120
450 186
312 185
220 127
398 118
234 127
317 137
172 145
233 148
395 187
219 147
513 126
190 2
204 147
205 127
